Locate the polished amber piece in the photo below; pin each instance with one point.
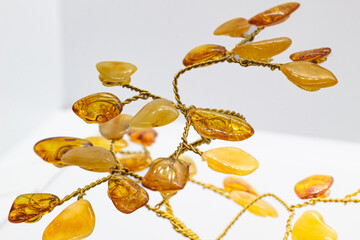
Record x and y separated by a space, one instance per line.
233 183
313 186
192 167
136 162
314 55
126 195
31 207
75 222
115 73
166 174
144 136
105 143
230 160
263 50
98 107
308 76
156 113
96 159
116 127
260 207
211 124
204 53
275 15
311 226
234 28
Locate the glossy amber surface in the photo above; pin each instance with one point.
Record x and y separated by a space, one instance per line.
314 55
144 136
204 53
234 28
32 206
275 15
192 167
116 127
136 162
166 174
211 124
233 183
115 73
98 107
313 186
126 195
75 222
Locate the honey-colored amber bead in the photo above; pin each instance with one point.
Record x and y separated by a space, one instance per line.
166 174
211 124
308 76
263 50
192 167
96 159
233 183
116 127
75 222
313 186
144 136
126 195
156 113
204 53
275 15
311 226
234 28
314 55
31 207
136 162
230 160
115 73
105 143
98 107
260 207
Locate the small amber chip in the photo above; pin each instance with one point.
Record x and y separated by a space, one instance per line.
314 55
313 186
144 136
192 167
233 183
234 28
136 162
105 143
275 15
116 127
115 73
31 207
98 107
204 53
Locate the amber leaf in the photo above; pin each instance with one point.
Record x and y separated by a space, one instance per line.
114 73
314 55
234 28
144 136
204 53
313 186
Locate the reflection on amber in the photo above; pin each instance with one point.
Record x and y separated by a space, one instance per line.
136 162
314 55
314 186
234 28
144 136
204 53
233 183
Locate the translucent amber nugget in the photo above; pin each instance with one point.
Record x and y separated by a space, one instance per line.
233 183
230 160
314 55
105 143
275 15
31 207
308 76
260 207
314 186
211 124
156 113
75 222
311 226
98 107
96 159
192 167
116 127
234 28
263 50
136 162
126 195
204 53
144 136
115 73
166 174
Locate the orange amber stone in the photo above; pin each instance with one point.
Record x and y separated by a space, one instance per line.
234 28
233 183
313 186
275 15
114 73
211 124
166 174
144 136
204 53
192 167
31 207
98 107
105 143
116 127
126 195
314 55
136 162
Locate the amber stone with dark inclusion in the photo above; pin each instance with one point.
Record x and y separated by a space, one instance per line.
314 55
98 107
166 174
31 207
135 162
144 136
204 53
313 186
234 28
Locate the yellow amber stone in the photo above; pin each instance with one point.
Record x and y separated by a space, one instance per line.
233 183
105 143
96 159
260 207
314 55
144 136
156 113
192 167
116 127
275 15
211 124
75 222
311 226
230 160
115 73
313 186
204 53
126 195
166 174
234 28
98 107
136 162
262 50
308 76
32 206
